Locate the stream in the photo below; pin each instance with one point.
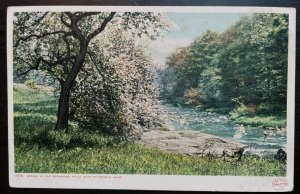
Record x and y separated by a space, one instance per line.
259 141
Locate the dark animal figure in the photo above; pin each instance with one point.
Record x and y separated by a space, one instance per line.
281 155
239 154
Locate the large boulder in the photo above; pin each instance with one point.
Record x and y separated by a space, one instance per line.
192 143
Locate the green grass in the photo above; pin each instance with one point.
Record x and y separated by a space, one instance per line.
254 120
133 159
40 149
263 116
262 120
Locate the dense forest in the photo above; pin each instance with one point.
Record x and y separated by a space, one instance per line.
241 71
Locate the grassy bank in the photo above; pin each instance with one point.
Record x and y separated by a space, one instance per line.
261 120
40 149
251 115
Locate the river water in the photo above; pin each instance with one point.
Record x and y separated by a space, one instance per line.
259 141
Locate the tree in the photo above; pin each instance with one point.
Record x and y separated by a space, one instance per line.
190 69
57 44
254 64
115 92
270 36
204 67
172 80
244 66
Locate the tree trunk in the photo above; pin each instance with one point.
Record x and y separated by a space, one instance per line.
63 108
66 86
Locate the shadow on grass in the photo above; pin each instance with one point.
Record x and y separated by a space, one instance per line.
38 129
31 128
47 107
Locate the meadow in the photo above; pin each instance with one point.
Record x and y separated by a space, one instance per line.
41 149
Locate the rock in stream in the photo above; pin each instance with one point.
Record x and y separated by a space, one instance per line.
191 143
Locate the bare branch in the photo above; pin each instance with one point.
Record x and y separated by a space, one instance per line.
102 27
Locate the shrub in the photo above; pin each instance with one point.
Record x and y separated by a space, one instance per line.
192 96
244 110
272 109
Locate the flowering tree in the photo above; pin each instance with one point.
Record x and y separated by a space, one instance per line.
115 91
58 44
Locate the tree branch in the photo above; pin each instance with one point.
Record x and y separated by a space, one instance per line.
95 64
37 36
30 67
102 27
25 72
67 43
65 68
73 25
36 22
41 18
85 14
49 64
63 21
64 59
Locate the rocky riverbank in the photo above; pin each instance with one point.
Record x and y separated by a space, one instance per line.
192 143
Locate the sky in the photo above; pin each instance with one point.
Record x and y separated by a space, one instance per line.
188 26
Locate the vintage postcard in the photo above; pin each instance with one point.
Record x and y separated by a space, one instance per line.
151 98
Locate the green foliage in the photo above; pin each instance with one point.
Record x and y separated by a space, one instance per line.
269 109
243 110
242 70
258 115
80 151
